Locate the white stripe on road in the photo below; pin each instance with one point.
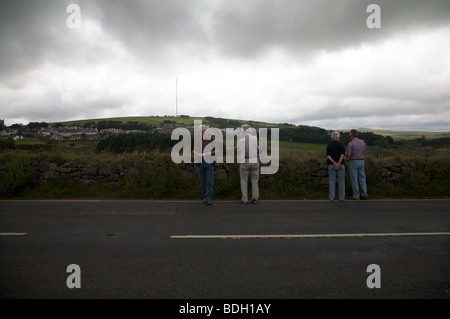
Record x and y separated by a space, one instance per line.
13 234
308 235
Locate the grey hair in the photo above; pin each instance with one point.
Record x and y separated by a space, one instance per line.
335 136
246 129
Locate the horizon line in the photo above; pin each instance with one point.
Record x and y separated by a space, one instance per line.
183 116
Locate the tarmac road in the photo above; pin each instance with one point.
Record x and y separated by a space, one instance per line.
186 250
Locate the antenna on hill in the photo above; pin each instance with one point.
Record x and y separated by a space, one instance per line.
176 96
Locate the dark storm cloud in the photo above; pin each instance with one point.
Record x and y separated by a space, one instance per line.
26 38
247 27
32 31
149 28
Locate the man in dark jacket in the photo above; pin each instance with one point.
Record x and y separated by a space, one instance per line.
336 166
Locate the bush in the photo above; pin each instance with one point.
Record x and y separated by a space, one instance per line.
35 147
135 142
6 144
430 178
16 180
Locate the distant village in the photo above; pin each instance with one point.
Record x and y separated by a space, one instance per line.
52 132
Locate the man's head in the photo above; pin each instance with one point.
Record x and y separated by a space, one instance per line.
335 136
203 128
248 130
353 133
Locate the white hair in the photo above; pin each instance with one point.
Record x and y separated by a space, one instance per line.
335 136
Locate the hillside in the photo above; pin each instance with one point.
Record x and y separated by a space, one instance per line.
158 121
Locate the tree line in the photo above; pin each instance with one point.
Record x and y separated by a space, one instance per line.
316 135
433 142
135 142
126 126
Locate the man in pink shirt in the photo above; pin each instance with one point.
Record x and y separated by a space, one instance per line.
355 152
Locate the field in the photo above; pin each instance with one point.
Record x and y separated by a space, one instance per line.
80 149
407 135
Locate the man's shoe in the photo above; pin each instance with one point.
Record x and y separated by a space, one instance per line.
209 203
204 200
254 201
364 197
243 202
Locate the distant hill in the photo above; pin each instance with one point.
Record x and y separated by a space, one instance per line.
158 121
148 122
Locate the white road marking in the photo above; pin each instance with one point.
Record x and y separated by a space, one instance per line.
13 234
308 235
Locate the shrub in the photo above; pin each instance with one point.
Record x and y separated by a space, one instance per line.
16 180
135 142
6 144
429 178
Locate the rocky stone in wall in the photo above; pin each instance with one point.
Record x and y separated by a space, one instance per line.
114 173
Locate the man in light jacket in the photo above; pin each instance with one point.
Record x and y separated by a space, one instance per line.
247 156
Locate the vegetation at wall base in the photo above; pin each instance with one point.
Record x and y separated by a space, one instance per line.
423 178
18 180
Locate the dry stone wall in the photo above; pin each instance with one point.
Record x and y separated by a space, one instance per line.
113 173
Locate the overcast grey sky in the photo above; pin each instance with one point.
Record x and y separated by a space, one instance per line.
312 62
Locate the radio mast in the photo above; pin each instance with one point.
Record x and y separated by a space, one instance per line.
176 97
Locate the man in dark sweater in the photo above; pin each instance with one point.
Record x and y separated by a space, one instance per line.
205 169
336 166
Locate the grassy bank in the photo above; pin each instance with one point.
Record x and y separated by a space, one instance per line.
427 174
421 178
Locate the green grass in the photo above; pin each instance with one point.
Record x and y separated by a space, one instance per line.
285 145
84 150
29 141
407 135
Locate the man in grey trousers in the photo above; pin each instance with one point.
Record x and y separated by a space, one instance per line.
247 156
